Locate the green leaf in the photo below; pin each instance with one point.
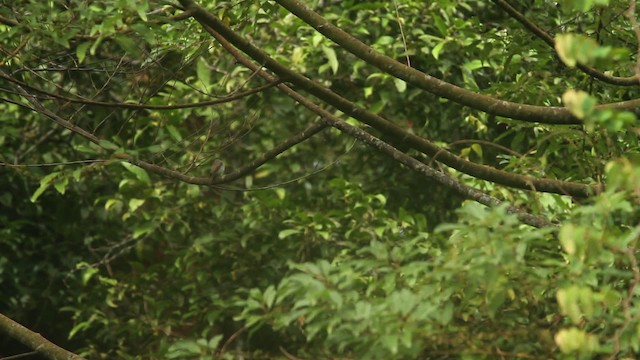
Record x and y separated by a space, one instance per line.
437 49
269 296
45 182
174 132
477 148
128 45
61 185
81 51
582 5
139 172
214 342
203 72
108 145
288 232
88 273
183 349
144 229
391 343
579 103
576 49
401 86
134 204
574 340
141 9
331 57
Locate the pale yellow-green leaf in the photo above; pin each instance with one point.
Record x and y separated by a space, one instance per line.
579 103
331 58
203 72
574 340
134 204
401 86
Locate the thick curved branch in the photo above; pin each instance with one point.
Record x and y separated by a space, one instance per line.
35 341
491 105
614 80
211 23
383 147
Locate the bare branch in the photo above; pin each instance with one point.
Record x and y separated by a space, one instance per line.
305 134
35 341
41 109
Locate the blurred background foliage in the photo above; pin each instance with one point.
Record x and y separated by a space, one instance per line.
331 250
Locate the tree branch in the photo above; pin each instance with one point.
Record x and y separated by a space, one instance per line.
214 25
383 147
35 341
160 170
613 80
491 105
305 134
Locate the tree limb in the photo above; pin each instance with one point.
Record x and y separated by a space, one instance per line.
385 148
211 23
531 113
35 341
536 30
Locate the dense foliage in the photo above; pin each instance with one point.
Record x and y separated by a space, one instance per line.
400 218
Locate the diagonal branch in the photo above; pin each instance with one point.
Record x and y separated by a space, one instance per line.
536 30
212 23
35 341
305 134
385 148
41 109
491 105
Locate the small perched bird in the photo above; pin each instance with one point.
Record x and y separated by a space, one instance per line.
217 168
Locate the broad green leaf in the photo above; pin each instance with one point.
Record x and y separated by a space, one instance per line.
582 5
204 72
437 49
574 340
108 145
269 296
576 49
61 184
579 103
331 58
401 86
134 204
287 232
88 273
144 229
174 132
81 51
140 173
